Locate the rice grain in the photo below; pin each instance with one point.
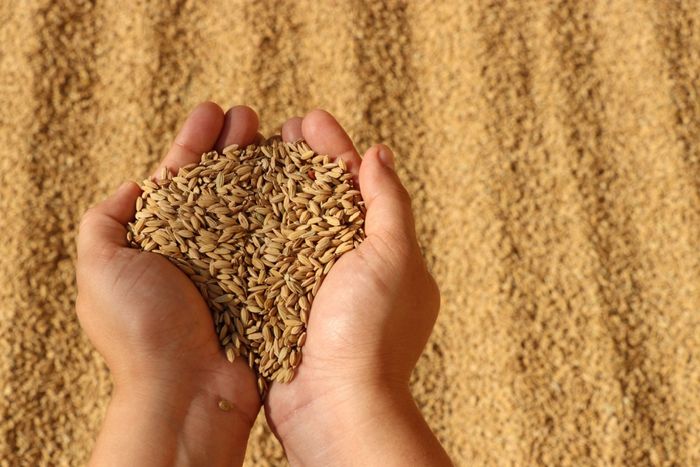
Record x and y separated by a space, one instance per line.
256 229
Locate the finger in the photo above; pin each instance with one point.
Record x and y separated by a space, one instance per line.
324 135
197 135
103 227
240 127
388 203
291 130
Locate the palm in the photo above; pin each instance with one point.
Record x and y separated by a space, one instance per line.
375 308
141 312
163 309
342 330
159 315
341 322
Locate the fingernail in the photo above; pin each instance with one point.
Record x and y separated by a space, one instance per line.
386 156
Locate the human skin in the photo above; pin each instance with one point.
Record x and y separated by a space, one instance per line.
350 402
156 334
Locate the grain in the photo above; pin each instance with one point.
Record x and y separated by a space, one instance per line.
225 405
256 229
553 156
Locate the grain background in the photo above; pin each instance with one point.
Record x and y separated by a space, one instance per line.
552 150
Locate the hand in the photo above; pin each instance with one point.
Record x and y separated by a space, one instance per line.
367 328
154 329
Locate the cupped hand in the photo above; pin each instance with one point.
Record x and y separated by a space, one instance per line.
367 328
370 320
143 315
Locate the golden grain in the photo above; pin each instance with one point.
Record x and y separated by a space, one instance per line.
256 229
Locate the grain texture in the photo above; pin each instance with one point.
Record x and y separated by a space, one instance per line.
552 149
256 229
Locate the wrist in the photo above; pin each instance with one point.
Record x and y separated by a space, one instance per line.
229 390
173 421
358 423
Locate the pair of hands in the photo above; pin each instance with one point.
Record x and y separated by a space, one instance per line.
368 325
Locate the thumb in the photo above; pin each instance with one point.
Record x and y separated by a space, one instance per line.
103 227
388 204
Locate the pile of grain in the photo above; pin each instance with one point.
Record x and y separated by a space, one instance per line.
256 229
552 151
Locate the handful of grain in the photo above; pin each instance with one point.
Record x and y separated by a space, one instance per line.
256 229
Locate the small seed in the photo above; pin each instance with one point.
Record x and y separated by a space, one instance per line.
225 405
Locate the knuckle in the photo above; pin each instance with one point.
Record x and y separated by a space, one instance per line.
86 228
401 194
396 245
91 248
87 220
373 271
